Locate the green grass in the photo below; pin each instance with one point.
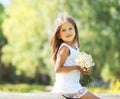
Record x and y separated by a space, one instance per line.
103 90
114 87
41 88
21 88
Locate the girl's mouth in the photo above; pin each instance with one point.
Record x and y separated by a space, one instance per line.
68 35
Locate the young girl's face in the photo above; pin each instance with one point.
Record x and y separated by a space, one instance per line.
67 32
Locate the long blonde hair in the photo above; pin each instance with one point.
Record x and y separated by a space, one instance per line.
56 41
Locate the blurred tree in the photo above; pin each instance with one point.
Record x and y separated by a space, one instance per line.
2 16
29 25
26 30
99 22
3 40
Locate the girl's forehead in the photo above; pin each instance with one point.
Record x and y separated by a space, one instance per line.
66 24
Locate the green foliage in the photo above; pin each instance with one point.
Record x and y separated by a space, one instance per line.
98 22
29 24
115 85
86 80
27 35
2 38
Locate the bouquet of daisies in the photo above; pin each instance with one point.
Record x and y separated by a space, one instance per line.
85 61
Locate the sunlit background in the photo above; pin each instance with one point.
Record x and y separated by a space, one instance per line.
25 32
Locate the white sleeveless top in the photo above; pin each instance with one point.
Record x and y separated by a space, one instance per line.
68 82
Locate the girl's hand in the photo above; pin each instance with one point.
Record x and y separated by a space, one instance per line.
85 72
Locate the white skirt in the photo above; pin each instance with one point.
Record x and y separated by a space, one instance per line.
79 94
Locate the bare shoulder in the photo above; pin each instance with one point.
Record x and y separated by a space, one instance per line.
64 51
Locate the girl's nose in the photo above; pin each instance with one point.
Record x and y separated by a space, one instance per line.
69 31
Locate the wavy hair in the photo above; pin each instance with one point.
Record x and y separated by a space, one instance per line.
56 41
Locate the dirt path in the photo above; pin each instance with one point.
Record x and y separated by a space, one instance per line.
47 95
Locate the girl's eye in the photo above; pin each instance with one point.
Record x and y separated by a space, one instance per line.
63 30
70 28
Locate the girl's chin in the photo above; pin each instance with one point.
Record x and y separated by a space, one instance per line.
68 41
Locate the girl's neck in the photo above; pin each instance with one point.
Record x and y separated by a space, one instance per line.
72 44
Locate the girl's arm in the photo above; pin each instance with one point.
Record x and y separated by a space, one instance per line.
64 52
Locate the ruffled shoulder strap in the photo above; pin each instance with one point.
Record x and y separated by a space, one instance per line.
63 44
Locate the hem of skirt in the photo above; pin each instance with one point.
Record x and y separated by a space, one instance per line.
77 96
73 97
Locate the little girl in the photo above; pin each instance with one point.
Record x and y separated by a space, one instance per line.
64 45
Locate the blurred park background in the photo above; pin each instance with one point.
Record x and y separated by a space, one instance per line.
25 32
